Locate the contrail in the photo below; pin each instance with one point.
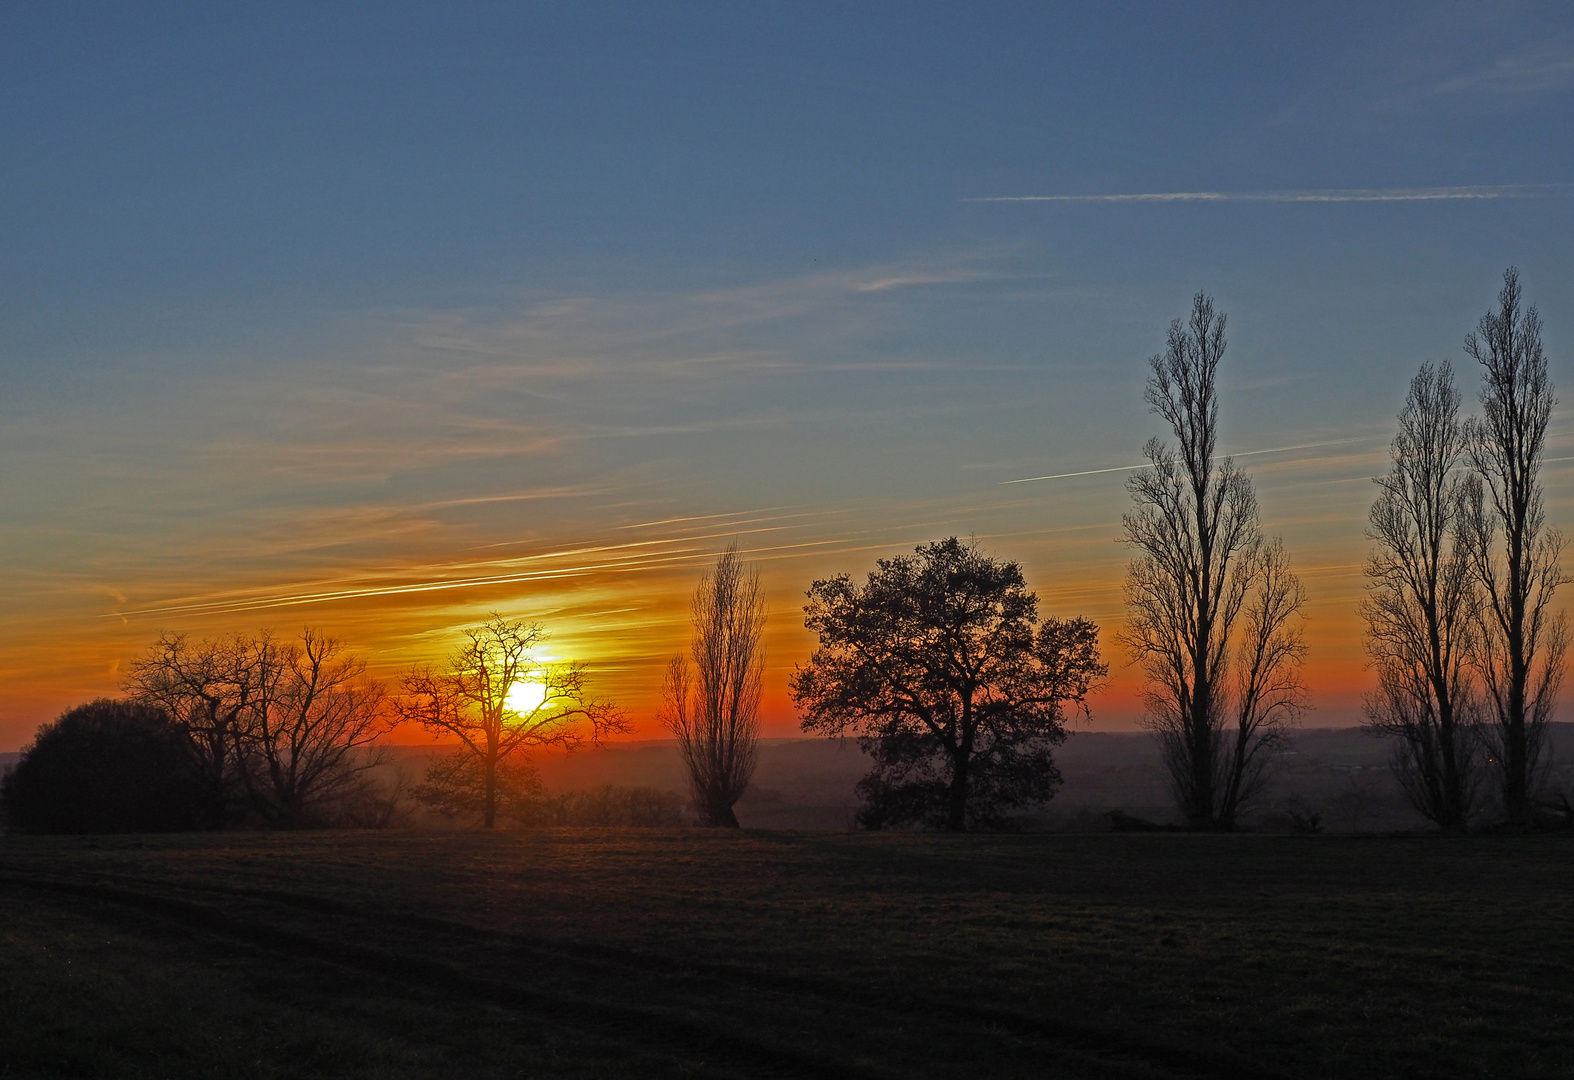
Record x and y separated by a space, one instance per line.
1147 465
1332 195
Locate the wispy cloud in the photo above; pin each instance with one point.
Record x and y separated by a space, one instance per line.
1329 195
1543 67
899 281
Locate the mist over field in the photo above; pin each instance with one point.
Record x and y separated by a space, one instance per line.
1340 774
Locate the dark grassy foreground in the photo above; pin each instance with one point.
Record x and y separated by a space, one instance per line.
690 953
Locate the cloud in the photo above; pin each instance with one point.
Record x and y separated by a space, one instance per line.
901 281
1329 195
1540 68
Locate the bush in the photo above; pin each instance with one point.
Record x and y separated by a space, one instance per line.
612 805
455 787
107 766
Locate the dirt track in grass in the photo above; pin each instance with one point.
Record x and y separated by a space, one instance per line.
633 953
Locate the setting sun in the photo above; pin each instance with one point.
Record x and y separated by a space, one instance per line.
525 698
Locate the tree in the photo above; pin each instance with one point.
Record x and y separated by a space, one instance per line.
206 687
1212 604
935 663
714 711
1421 607
107 766
1513 554
310 718
497 699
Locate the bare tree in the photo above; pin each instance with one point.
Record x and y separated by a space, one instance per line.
206 686
1421 607
308 727
1212 605
1514 554
714 710
498 699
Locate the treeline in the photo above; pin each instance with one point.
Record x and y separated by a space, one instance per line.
938 662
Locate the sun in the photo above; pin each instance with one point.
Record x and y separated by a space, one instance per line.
525 698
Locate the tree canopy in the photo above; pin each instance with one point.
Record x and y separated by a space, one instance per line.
939 665
107 767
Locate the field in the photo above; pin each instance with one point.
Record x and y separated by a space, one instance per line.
694 953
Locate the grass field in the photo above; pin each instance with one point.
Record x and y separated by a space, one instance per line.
695 953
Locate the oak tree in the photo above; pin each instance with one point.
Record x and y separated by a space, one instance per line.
939 665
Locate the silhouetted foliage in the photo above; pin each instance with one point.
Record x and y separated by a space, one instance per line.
936 665
471 698
205 686
1514 555
282 730
1421 608
106 767
715 712
372 800
1212 603
613 805
456 787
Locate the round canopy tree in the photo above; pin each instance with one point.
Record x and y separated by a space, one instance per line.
106 767
939 665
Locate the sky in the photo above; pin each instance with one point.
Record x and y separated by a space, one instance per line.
381 318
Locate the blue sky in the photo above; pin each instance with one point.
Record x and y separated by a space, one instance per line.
295 295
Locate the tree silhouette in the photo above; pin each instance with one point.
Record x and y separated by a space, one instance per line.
1421 607
1514 554
935 663
714 711
472 698
1211 602
308 725
206 686
104 767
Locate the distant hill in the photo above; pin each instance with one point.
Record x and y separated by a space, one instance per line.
1340 774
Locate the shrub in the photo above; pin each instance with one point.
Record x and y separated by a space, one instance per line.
106 766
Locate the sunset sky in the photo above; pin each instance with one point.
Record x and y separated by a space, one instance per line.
379 319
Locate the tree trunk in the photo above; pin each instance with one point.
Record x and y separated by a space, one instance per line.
721 815
489 805
956 810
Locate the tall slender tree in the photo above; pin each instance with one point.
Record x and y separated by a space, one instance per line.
1514 554
1213 605
713 708
1421 607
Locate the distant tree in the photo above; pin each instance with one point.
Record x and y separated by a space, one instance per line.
106 767
1513 552
936 665
206 687
1421 608
306 732
1212 604
477 698
714 709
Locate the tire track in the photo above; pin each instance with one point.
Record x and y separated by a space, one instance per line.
1078 1049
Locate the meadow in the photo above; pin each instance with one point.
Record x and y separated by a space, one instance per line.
591 953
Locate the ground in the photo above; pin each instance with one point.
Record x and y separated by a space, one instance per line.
581 953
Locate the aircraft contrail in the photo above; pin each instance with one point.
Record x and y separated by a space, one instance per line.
1331 195
1147 465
